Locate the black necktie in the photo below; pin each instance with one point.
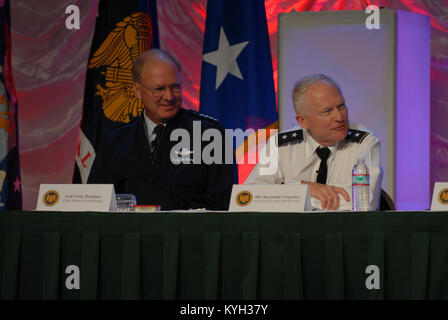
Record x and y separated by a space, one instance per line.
323 154
158 130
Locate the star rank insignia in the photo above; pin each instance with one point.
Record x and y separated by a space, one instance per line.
290 137
356 135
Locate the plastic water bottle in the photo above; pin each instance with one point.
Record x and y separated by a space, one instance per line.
360 186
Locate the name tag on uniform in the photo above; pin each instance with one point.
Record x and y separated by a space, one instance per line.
270 198
76 197
440 197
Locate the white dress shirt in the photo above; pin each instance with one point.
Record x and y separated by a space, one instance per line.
297 161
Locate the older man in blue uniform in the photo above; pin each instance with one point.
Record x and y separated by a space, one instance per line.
138 157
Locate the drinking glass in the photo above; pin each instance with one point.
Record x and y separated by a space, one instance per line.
125 202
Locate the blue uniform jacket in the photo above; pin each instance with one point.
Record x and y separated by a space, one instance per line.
124 158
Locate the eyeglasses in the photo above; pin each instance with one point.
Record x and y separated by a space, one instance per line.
160 90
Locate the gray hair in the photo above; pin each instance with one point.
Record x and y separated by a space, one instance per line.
147 55
302 85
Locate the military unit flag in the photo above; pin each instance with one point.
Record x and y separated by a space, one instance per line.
124 29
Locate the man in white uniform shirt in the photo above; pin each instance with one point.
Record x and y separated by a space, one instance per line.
323 153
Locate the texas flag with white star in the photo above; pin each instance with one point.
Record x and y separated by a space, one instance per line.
237 85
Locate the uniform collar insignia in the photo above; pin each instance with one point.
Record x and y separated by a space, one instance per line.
285 138
357 136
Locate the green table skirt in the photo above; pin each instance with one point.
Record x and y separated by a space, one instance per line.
223 255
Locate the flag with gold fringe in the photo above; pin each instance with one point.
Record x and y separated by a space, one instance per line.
124 29
10 182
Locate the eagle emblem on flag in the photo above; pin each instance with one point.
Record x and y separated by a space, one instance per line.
114 59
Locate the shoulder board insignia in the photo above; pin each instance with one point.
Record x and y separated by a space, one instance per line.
206 116
285 138
357 136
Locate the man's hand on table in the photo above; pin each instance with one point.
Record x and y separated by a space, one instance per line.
328 195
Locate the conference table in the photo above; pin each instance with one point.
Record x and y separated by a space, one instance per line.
224 256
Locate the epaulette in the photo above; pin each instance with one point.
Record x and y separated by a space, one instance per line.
289 137
202 115
356 135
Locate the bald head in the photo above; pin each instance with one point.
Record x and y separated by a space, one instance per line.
152 56
157 85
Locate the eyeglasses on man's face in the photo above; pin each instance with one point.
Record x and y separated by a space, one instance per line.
159 91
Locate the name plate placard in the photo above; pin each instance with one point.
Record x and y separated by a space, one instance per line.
270 198
76 197
440 197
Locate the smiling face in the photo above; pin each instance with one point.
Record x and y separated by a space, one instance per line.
159 72
324 114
